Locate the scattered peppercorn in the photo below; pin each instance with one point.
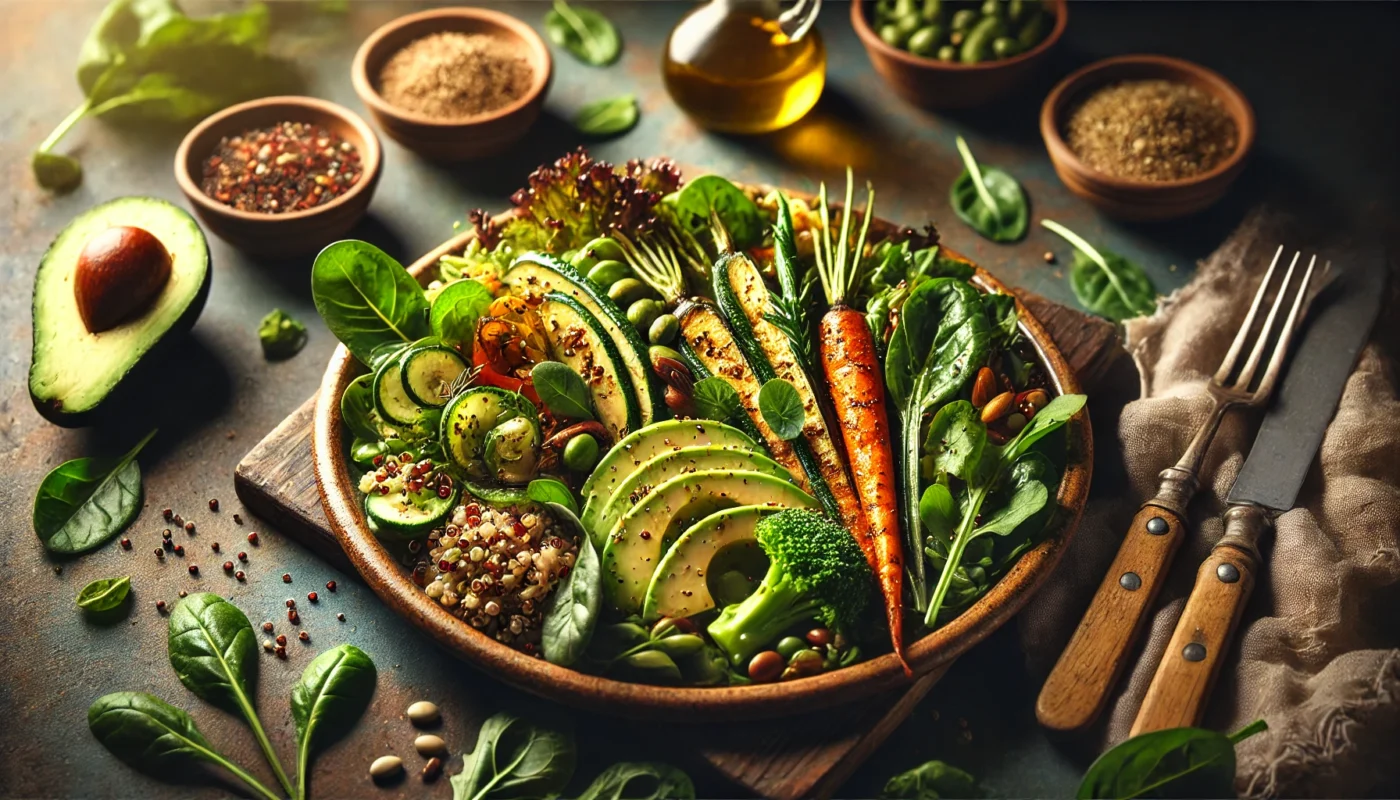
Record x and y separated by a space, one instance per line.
330 586
228 566
292 616
179 520
1049 257
286 577
189 527
267 626
312 596
184 593
214 504
340 617
289 166
179 549
165 534
160 605
291 603
253 538
239 575
194 569
237 520
304 636
160 553
281 638
281 652
242 556
214 547
167 513
126 544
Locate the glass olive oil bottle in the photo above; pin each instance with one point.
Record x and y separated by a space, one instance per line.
734 67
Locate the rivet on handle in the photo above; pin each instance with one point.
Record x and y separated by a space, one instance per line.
1157 526
1227 573
1194 652
1130 581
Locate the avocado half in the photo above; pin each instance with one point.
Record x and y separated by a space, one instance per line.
74 372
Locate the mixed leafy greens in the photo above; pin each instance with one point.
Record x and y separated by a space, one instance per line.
85 502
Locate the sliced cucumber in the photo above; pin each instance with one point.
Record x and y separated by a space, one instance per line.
408 516
468 418
579 340
428 373
391 400
511 449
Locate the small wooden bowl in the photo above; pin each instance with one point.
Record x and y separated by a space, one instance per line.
294 232
344 509
455 139
930 83
1130 199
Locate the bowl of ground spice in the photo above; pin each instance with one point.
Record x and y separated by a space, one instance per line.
1147 137
454 83
280 175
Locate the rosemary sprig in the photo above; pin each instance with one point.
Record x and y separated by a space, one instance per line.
789 307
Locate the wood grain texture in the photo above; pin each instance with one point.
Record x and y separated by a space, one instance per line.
1181 687
1088 669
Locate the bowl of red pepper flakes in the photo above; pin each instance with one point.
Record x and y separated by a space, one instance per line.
280 176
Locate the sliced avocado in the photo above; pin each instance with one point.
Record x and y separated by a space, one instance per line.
74 370
643 445
636 543
680 587
670 464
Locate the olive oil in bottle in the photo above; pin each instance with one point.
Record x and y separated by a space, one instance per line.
732 68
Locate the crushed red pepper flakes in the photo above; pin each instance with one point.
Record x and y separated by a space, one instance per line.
290 166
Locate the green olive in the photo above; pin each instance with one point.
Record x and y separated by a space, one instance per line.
932 10
659 351
1016 10
606 273
891 35
903 8
947 53
1005 47
806 662
627 291
581 453
907 25
1034 30
964 19
664 329
977 47
603 248
994 8
568 255
924 42
789 646
884 8
644 312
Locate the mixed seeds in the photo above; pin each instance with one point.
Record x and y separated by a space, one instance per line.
1154 130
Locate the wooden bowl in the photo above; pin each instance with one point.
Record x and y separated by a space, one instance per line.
341 500
295 232
1130 199
455 139
930 83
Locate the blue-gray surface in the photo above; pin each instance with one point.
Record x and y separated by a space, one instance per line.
1323 81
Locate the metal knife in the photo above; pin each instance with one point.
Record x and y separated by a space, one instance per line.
1339 320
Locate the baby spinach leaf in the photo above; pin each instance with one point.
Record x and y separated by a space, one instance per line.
1106 283
572 614
989 200
334 691
564 393
1027 499
781 407
281 335
367 298
104 594
357 409
455 311
646 780
1001 314
608 116
157 738
938 512
736 210
1046 421
590 36
84 502
515 758
930 781
716 399
956 438
548 490
1177 762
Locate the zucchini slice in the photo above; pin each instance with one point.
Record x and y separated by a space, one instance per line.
428 373
579 340
467 419
391 399
408 517
512 449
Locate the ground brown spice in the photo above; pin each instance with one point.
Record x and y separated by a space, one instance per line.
453 75
1153 130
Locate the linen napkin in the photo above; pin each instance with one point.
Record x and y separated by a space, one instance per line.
1317 653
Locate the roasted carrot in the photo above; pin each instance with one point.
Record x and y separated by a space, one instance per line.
856 385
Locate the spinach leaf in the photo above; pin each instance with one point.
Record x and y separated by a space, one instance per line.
1001 314
281 336
515 758
104 594
715 398
548 490
781 407
1106 283
1177 762
214 652
157 738
357 409
640 781
334 691
84 502
1028 497
386 351
455 311
608 116
938 512
1046 421
367 298
930 781
564 393
989 200
590 36
956 438
736 210
572 614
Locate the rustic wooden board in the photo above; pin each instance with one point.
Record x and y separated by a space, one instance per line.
785 759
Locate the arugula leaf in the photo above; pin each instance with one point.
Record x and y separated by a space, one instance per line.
455 311
572 614
366 298
104 594
515 758
1177 762
781 407
585 33
989 200
609 116
84 502
1106 283
640 781
715 398
562 390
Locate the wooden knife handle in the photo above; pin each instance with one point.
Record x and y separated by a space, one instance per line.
1088 669
1178 693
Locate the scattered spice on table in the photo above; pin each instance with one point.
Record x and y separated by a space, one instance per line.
1152 130
453 75
290 166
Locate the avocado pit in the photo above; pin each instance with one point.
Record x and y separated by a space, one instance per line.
120 273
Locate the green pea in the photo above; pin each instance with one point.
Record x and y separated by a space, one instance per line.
659 351
664 329
924 42
977 47
1005 47
644 312
890 35
605 247
932 10
1034 30
606 273
964 19
627 291
789 646
994 8
947 53
581 453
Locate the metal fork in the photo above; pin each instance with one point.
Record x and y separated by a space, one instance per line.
1079 685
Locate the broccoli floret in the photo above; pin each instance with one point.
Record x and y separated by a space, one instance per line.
816 571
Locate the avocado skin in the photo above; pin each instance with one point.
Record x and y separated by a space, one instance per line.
129 385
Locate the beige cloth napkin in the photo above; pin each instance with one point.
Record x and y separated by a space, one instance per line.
1317 654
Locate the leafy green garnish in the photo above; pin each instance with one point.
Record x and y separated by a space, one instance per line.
455 311
736 210
645 780
334 691
932 780
281 336
104 594
548 490
515 758
564 393
607 117
572 613
715 398
1106 283
781 407
585 33
989 200
1177 762
367 299
84 502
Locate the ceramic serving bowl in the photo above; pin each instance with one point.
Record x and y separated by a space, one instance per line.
930 83
294 232
934 652
454 139
1135 199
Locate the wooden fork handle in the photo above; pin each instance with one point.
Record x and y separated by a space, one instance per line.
1088 669
1179 690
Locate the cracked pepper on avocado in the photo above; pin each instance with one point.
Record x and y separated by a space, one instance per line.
688 434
